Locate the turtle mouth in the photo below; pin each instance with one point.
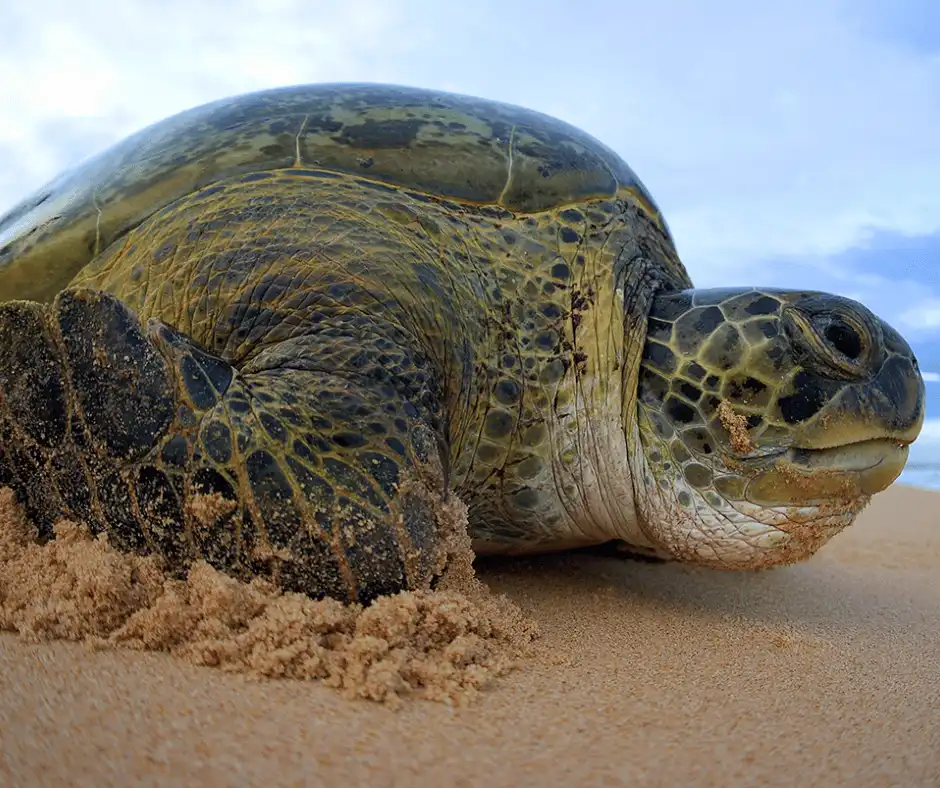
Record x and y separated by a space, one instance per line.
852 470
813 476
875 463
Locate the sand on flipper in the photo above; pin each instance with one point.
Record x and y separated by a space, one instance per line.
444 644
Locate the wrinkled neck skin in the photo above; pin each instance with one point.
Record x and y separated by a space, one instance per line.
585 482
599 454
594 475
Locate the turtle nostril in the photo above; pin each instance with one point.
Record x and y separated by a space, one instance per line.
845 339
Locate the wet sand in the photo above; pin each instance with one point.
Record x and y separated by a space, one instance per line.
824 673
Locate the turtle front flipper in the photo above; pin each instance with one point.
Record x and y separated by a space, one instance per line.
325 482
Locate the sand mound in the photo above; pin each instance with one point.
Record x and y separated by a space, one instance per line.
442 645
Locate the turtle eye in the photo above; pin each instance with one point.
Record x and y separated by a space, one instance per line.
844 338
842 343
831 339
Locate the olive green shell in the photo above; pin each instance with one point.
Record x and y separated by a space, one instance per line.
446 145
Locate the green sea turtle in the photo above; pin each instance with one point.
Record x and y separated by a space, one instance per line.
323 306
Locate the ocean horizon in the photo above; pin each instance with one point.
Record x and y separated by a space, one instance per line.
925 475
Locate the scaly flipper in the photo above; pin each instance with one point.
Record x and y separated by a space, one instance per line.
332 477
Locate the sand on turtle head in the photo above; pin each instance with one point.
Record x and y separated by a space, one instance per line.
444 644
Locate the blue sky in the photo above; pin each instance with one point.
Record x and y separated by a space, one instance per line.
789 143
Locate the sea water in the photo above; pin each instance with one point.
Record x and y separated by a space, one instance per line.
921 475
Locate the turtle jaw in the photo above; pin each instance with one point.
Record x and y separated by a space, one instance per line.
707 529
792 502
876 463
761 511
818 467
834 476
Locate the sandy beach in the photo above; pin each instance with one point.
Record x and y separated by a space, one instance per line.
824 673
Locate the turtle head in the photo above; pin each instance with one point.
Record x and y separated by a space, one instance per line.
767 418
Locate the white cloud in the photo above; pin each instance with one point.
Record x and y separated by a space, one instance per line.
931 377
764 130
923 316
82 76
